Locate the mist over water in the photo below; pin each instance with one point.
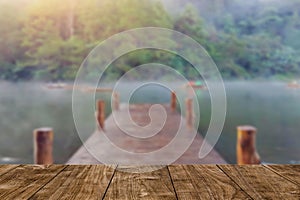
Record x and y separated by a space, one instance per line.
270 106
26 106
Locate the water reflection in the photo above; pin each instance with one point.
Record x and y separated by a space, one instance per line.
270 106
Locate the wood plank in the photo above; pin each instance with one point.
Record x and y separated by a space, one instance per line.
289 172
204 182
261 183
140 114
149 185
150 182
78 182
23 181
6 168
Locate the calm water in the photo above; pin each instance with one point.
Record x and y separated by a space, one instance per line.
271 107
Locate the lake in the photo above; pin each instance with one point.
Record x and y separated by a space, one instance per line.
269 106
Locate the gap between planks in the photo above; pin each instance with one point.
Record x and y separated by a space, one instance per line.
7 168
47 182
259 182
256 181
110 182
287 169
170 177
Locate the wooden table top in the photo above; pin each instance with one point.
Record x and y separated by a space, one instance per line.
166 182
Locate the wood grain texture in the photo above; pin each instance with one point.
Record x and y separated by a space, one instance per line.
149 182
261 183
289 172
150 185
204 182
78 182
23 181
6 168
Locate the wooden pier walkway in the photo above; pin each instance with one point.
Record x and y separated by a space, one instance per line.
170 182
139 113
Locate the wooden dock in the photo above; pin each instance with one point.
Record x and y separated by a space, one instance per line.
139 113
170 182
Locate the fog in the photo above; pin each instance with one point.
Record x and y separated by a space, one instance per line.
272 107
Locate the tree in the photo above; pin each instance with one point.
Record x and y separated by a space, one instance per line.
191 24
10 38
49 39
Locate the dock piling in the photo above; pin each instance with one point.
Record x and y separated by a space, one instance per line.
43 146
246 148
116 101
173 101
100 114
189 112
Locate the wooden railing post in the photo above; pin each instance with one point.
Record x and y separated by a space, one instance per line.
189 112
246 148
43 146
173 101
116 101
100 114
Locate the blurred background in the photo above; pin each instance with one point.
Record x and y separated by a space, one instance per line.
255 45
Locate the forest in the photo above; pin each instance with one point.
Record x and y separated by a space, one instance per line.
47 40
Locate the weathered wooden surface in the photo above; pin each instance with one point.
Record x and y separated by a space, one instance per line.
164 182
140 116
204 181
78 182
289 172
24 181
150 185
260 183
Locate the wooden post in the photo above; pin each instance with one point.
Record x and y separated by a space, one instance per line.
100 114
43 142
173 101
246 148
189 113
116 101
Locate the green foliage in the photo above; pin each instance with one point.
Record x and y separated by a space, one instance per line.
10 39
48 40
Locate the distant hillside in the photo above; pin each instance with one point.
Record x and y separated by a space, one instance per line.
211 8
257 38
48 40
